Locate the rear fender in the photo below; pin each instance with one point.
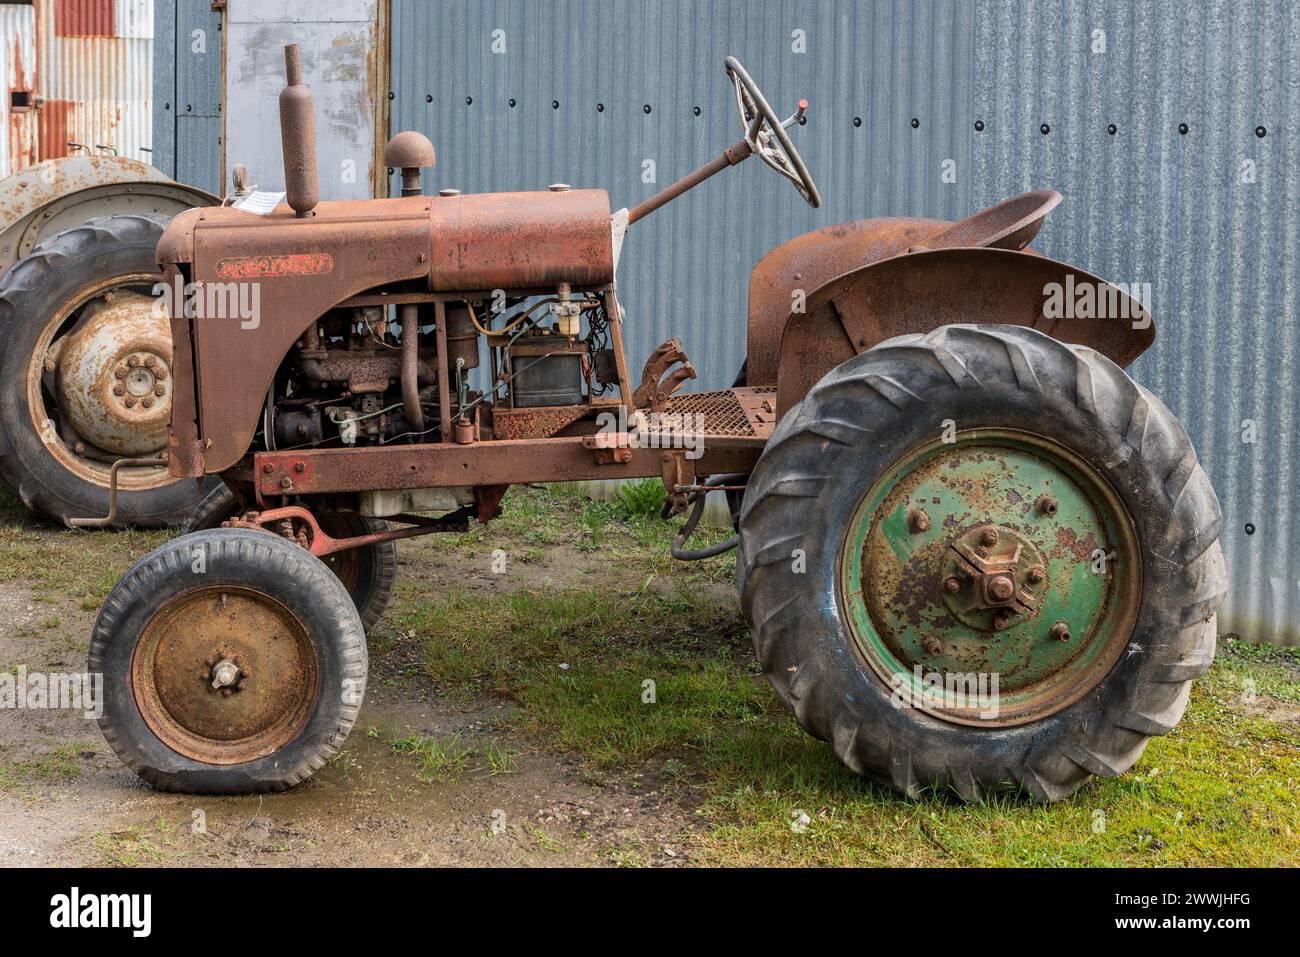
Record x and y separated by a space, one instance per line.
920 291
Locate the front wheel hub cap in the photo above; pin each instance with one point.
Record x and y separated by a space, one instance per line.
984 597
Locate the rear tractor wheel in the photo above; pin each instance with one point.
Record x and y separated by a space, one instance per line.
234 662
982 560
85 375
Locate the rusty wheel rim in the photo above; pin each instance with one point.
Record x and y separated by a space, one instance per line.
40 406
225 675
971 579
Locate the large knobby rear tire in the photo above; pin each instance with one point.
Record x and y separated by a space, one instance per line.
39 298
258 604
368 572
881 408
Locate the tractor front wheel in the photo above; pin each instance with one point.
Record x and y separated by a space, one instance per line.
233 662
980 560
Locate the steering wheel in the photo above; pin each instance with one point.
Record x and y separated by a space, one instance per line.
766 135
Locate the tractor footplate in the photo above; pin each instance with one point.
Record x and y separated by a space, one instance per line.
741 412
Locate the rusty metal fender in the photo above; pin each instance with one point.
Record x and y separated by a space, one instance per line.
784 278
919 291
58 194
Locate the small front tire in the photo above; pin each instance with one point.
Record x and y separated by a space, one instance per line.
233 662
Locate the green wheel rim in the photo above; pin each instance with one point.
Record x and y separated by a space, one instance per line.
992 579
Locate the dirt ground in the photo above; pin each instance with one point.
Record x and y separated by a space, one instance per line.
76 804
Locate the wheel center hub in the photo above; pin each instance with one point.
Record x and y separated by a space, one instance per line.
225 673
991 574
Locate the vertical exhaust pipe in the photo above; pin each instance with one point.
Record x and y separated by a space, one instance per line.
298 136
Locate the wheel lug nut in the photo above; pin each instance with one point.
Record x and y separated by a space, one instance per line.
1002 588
989 537
226 692
1060 631
119 390
1047 505
159 390
120 372
130 401
1034 575
147 403
1000 621
932 645
951 585
918 521
150 361
133 361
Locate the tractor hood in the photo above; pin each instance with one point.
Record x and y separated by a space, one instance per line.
471 243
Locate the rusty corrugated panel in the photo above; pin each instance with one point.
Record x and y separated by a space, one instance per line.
96 84
18 145
85 18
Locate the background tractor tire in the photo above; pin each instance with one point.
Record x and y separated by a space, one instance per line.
50 477
247 597
367 572
852 430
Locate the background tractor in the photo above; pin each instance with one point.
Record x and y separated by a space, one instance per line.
973 554
85 355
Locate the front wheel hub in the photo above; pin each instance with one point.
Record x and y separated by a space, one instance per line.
1031 603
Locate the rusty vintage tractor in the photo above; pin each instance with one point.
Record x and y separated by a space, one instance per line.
973 554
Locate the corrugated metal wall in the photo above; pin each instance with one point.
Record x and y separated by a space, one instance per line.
685 269
1207 217
187 92
20 144
85 68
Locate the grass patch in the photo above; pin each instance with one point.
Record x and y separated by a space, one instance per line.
614 677
437 760
62 763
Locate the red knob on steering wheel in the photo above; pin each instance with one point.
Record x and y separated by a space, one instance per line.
766 134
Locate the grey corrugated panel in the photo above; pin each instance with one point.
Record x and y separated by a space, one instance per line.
163 141
1145 205
685 269
187 92
198 163
198 59
1151 205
